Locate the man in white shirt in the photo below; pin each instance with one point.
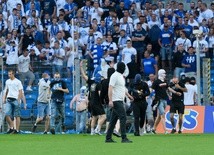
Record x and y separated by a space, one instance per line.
58 55
203 46
205 13
11 53
190 95
96 12
24 69
127 52
12 96
183 40
116 94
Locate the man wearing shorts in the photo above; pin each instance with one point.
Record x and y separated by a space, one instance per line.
177 105
43 104
12 97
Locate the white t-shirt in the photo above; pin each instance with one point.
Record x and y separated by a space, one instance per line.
12 55
24 63
13 87
117 81
203 44
185 42
207 14
60 52
188 96
94 14
194 23
127 53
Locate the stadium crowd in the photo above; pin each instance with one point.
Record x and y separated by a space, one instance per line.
46 36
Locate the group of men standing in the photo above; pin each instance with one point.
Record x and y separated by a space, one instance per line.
50 102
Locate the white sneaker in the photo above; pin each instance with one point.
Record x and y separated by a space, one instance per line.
29 88
97 132
92 133
166 132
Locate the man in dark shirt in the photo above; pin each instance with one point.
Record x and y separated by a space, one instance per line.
48 6
104 96
177 60
139 90
160 87
58 87
138 37
27 38
177 88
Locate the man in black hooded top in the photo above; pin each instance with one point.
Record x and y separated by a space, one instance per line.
139 90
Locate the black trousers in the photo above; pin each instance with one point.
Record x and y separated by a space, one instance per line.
118 112
139 111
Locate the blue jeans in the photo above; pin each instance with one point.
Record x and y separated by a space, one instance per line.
13 109
81 121
178 71
57 108
166 53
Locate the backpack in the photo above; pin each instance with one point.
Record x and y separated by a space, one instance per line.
154 33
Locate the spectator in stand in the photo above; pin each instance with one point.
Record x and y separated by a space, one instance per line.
27 39
43 104
70 9
204 27
3 25
203 46
48 6
125 25
53 29
149 64
189 63
190 95
24 69
192 22
13 22
111 46
58 56
166 41
11 54
187 28
96 12
182 40
128 51
97 52
138 41
205 13
81 107
120 9
153 21
122 41
177 61
210 40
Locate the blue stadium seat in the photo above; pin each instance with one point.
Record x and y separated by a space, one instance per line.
69 119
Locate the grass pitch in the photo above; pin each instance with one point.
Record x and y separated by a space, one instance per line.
184 144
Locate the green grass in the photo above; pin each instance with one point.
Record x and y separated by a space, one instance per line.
185 144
